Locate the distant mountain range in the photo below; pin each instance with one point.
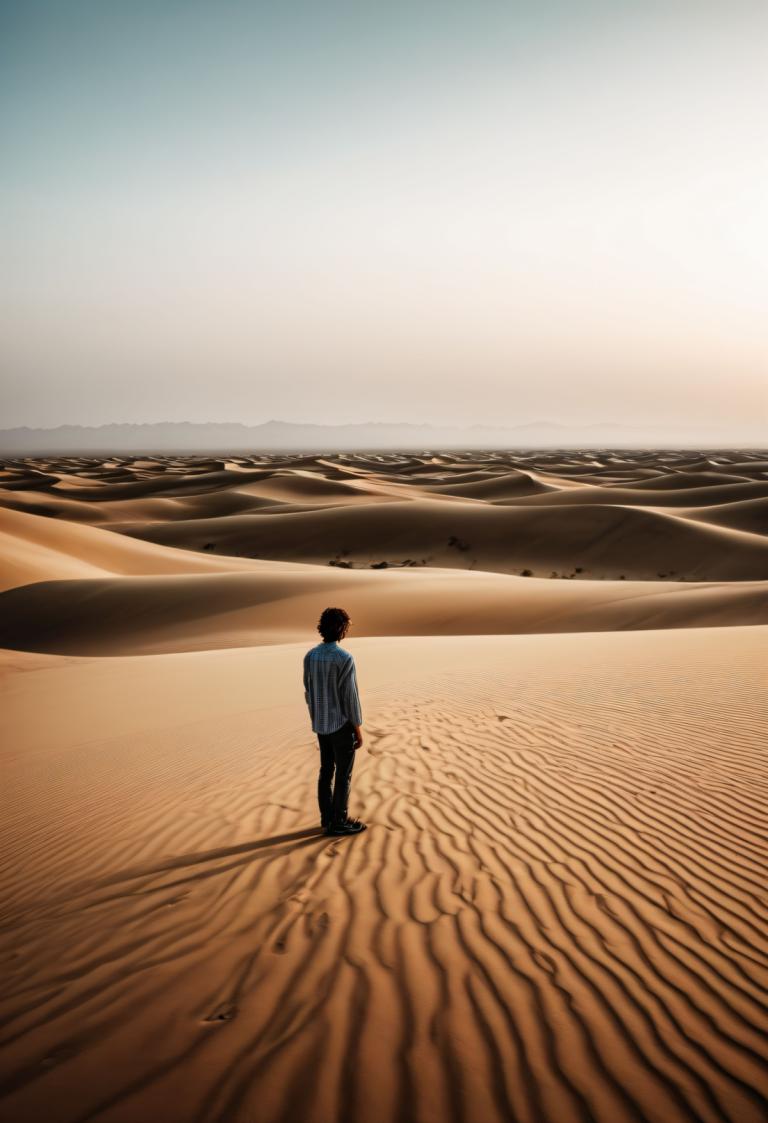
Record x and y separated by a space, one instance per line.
285 436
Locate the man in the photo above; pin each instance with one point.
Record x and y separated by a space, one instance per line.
330 691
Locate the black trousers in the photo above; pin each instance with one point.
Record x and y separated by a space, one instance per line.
337 754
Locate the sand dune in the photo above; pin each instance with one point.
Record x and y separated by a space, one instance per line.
604 541
678 481
750 515
54 506
558 911
478 486
503 513
556 914
751 468
650 497
33 548
139 615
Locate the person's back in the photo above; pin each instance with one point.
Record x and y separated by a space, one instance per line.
330 687
331 694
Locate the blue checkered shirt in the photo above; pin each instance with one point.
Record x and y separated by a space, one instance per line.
330 688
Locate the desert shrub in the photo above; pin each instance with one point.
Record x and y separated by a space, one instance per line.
457 542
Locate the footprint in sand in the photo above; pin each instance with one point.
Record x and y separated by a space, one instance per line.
318 923
224 1013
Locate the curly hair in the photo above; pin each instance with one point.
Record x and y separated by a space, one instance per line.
333 624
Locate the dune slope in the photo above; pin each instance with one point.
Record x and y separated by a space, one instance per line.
605 541
135 615
557 912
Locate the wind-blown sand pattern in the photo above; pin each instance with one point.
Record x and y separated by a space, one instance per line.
558 912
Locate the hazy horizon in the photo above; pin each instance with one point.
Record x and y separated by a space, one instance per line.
214 438
448 214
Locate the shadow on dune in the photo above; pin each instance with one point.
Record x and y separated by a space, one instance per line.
210 860
184 861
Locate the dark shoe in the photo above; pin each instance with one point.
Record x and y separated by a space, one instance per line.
349 826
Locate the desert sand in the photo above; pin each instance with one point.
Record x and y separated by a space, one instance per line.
558 911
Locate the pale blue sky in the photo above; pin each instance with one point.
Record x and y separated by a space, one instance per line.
442 212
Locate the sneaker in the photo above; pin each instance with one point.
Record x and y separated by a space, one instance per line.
349 826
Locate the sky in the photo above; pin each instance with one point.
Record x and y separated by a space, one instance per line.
427 211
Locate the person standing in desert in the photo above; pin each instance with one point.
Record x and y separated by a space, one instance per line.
330 691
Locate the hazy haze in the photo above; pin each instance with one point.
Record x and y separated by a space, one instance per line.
432 212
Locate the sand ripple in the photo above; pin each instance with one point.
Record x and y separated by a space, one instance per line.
557 914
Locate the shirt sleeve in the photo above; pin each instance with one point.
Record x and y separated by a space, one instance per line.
348 693
306 680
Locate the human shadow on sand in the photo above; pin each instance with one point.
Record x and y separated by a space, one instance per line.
211 863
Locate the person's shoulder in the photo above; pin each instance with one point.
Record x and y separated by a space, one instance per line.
344 655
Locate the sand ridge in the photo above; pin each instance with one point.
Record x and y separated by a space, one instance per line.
109 556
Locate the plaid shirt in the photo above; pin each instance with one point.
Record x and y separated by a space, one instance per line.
330 688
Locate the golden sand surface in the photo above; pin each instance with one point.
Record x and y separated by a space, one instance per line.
557 913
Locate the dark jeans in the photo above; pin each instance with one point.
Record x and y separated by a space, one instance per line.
337 752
